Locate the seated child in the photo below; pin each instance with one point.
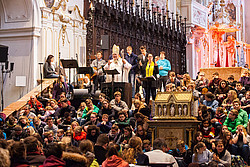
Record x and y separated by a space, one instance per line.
105 125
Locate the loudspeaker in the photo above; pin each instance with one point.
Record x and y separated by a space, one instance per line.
105 42
3 53
124 88
80 93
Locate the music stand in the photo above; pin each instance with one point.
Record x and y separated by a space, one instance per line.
148 79
70 63
113 73
85 70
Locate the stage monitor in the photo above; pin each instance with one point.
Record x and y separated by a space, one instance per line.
3 53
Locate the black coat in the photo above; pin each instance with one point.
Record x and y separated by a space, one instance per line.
110 112
100 154
187 157
145 111
92 138
35 159
69 109
142 159
17 137
132 59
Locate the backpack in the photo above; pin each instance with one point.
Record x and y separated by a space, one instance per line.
237 161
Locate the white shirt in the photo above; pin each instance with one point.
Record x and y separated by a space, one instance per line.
158 156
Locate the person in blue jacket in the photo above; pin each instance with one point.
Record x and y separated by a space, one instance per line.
132 59
164 66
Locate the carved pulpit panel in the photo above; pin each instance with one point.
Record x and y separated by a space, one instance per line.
171 135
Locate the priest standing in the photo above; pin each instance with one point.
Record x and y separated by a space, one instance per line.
120 64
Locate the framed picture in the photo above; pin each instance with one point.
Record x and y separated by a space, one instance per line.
49 3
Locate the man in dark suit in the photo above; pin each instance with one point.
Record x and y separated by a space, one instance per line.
132 59
142 61
143 57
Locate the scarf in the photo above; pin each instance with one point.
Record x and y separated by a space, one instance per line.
150 69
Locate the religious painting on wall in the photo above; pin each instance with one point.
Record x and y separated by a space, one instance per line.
232 12
49 3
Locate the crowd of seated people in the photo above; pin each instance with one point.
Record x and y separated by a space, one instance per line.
109 133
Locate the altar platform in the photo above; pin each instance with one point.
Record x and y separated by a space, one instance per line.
174 118
224 72
174 130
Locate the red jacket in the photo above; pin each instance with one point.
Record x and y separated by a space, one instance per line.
37 105
209 133
53 161
81 137
115 161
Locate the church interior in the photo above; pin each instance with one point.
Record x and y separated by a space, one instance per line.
125 83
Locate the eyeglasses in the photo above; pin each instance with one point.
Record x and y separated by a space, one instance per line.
92 117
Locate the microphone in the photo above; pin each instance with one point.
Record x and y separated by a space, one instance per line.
40 63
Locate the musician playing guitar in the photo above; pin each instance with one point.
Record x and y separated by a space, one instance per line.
97 65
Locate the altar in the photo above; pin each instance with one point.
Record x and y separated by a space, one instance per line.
173 118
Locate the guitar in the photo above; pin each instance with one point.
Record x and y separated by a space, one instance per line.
91 78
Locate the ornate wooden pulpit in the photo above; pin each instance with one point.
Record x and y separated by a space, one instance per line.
173 117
